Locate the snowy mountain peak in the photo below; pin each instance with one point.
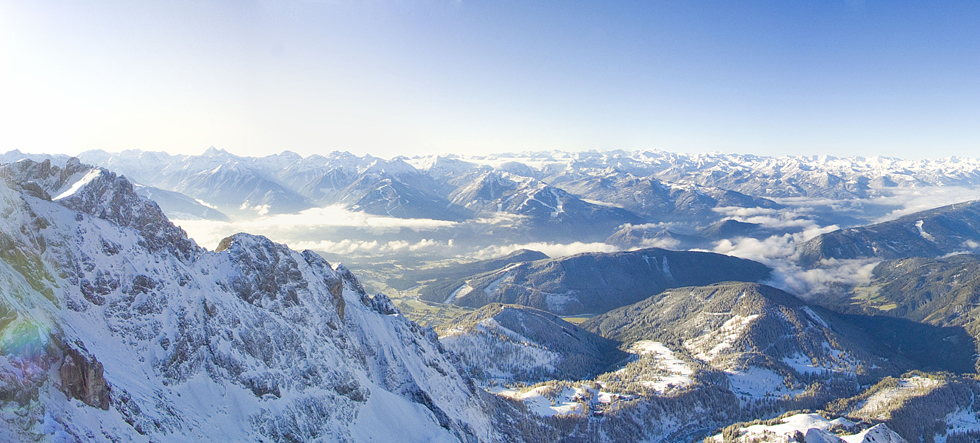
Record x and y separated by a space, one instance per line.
215 152
120 327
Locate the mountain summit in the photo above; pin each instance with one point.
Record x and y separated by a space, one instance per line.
116 326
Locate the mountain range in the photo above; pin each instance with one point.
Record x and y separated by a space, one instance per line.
117 326
557 194
114 325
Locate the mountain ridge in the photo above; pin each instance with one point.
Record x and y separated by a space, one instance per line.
109 304
590 283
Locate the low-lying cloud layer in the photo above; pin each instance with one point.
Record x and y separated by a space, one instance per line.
348 246
771 218
781 252
337 231
912 200
552 250
289 228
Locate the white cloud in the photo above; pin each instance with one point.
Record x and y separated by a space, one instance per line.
811 282
647 226
738 211
286 227
770 218
912 200
204 203
426 244
338 216
353 247
552 250
501 219
780 252
664 243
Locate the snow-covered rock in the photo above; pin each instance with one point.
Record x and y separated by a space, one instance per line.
813 428
114 326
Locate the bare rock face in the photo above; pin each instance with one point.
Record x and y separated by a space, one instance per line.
82 378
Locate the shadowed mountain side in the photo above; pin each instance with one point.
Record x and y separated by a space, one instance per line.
944 292
939 292
526 344
932 233
727 229
595 282
928 347
918 406
179 206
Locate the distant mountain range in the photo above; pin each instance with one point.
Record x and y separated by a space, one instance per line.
557 195
657 200
758 176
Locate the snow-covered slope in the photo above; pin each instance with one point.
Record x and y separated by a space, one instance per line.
517 343
658 200
810 428
760 176
920 406
115 327
488 191
769 346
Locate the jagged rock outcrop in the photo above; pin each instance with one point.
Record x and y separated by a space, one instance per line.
82 377
253 342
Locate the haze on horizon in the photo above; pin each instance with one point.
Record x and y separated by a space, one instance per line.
417 77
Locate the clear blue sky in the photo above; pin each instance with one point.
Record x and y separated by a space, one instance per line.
899 78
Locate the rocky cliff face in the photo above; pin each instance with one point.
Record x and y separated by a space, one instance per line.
114 325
